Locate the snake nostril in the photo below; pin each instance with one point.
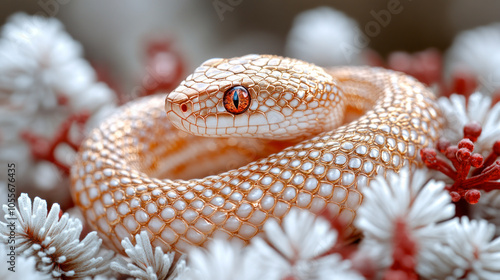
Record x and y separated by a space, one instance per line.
184 107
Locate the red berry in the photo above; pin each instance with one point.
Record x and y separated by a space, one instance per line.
467 144
442 145
472 131
472 196
463 154
455 197
484 177
429 156
451 152
476 160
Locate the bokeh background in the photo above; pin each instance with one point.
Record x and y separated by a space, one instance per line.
114 33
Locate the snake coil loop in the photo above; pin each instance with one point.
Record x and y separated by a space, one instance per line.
115 177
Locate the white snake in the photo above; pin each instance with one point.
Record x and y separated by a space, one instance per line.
114 179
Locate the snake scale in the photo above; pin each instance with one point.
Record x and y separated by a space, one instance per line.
280 139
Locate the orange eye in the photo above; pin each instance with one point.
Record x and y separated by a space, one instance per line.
236 100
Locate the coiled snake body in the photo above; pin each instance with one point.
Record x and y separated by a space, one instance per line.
270 102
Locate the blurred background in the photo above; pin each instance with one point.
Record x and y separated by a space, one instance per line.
115 33
120 50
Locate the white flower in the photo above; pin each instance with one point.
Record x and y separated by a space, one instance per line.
476 51
22 267
326 37
457 114
221 260
53 241
402 197
43 79
488 208
32 50
467 249
295 249
41 63
146 264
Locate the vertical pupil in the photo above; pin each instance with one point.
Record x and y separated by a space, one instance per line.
236 99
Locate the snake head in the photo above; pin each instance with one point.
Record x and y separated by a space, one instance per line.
262 96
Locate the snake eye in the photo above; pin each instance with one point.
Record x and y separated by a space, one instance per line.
236 100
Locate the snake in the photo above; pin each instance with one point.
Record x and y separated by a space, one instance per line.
243 140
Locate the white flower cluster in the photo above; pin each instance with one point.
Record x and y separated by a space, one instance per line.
458 112
406 198
53 241
146 264
25 267
294 250
447 249
478 108
467 248
44 79
476 51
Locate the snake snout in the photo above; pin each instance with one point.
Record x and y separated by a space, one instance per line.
178 107
177 98
177 102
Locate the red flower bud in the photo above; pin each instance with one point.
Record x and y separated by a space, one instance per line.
442 145
472 131
472 196
466 183
476 160
467 144
463 154
428 156
455 197
451 152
